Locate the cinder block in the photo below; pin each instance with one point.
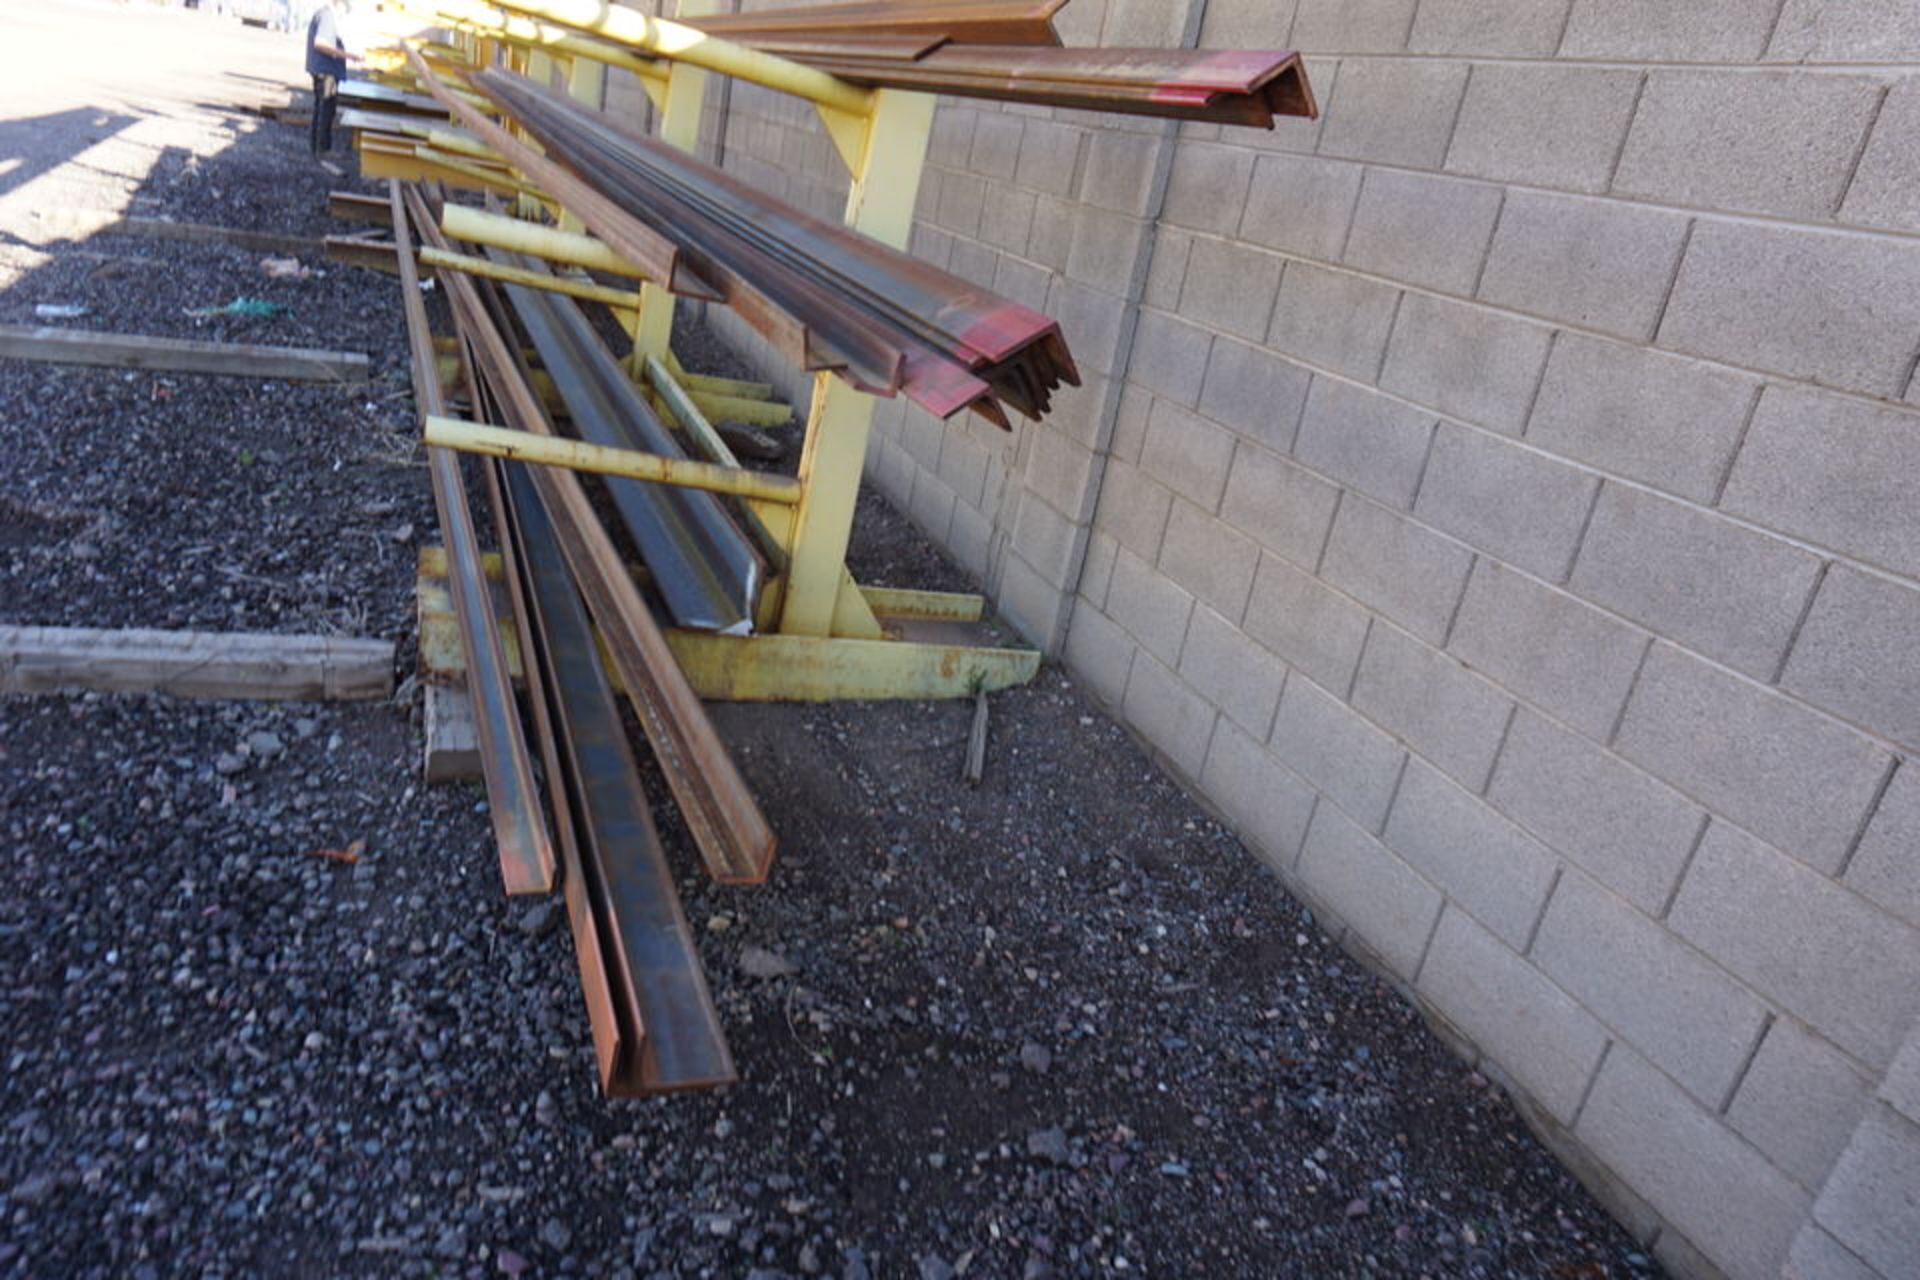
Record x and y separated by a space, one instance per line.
1534 1030
1884 869
1392 110
1625 828
1381 898
1267 803
1316 629
1863 31
1230 287
1746 289
1147 603
1100 652
1286 508
1521 505
963 465
931 505
1720 1193
1060 470
1209 558
1169 357
1365 440
1660 31
1467 361
1255 392
1094 318
1301 205
1351 762
970 540
1799 1102
1818 1256
1035 607
1547 126
1045 539
1207 187
1602 264
1049 156
1352 26
1232 672
974 262
1246 24
1432 703
1400 568
1857 654
1497 872
1130 423
1663 420
1715 586
1423 229
1334 319
1523 28
1143 24
1712 139
1833 960
1872 1201
1119 170
961 195
1106 249
1167 268
1785 773
1096 573
951 145
1901 1088
995 152
1051 238
1572 661
1834 471
1014 277
1885 191
1175 719
1133 508
1188 453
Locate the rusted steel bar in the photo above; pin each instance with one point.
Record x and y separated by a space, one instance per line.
726 823
526 850
631 238
888 322
668 1033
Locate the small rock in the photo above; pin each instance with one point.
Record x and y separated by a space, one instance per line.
1035 1058
758 962
1037 1268
304 728
545 1110
1049 1144
34 1190
555 1235
404 533
1358 1208
509 1262
314 1042
265 745
452 1243
539 919
228 763
935 1267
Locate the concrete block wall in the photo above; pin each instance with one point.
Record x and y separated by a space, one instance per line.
1500 499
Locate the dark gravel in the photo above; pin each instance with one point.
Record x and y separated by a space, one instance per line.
1062 1024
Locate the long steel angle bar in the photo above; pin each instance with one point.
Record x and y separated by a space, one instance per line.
632 239
526 850
732 834
677 1042
702 563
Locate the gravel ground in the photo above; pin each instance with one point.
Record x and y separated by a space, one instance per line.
1062 1024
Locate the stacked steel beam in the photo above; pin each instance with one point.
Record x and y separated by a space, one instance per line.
653 1021
888 322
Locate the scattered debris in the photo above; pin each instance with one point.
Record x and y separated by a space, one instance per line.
244 308
59 311
350 854
285 269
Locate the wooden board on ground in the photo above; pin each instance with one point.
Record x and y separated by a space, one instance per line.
194 664
453 740
179 355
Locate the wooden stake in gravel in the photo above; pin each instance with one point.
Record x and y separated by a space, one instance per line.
977 740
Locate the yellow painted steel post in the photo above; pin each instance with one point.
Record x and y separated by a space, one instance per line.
886 186
680 109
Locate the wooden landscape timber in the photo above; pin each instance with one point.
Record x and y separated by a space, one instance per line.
179 355
195 664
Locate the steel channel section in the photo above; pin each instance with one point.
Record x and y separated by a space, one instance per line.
706 571
655 967
526 850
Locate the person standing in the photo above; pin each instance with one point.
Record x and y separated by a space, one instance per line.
327 64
